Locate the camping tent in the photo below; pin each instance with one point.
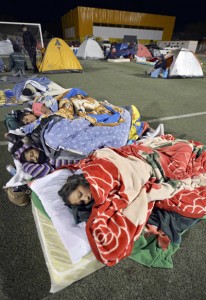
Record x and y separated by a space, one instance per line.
143 51
90 49
155 52
6 47
183 63
121 50
58 57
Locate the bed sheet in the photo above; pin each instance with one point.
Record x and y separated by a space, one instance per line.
60 267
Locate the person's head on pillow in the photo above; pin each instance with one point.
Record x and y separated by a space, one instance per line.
27 118
76 191
27 153
77 196
29 90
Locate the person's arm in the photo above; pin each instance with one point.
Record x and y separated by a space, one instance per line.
37 170
13 138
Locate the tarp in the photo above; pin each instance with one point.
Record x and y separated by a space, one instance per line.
6 47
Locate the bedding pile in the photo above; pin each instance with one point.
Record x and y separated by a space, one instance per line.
127 183
148 188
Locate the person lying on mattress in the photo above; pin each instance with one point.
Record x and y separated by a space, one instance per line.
75 139
72 104
123 185
41 106
17 118
77 196
35 162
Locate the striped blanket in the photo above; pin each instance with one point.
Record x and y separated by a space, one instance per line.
128 182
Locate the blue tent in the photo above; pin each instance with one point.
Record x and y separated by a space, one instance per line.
121 50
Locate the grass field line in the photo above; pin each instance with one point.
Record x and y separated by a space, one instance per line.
4 143
176 117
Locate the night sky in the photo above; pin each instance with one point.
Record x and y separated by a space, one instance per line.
32 11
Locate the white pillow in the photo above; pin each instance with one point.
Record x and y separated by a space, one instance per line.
72 235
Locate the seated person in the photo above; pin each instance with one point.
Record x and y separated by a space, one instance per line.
17 62
2 66
160 65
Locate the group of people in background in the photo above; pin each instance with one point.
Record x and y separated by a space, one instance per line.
17 60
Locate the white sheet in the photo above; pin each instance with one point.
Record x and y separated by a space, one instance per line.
72 235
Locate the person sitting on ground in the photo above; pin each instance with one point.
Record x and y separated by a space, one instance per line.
17 62
159 66
2 66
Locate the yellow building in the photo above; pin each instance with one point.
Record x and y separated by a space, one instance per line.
115 25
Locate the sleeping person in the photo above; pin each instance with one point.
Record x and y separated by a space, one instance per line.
77 196
119 188
35 162
83 134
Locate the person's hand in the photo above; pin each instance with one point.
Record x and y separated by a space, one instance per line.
6 135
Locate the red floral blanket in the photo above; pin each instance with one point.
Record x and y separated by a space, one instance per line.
127 182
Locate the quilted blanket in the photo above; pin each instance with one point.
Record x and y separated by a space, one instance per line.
80 136
128 182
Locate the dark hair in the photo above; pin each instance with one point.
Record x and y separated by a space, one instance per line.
27 92
72 183
21 123
16 48
41 159
22 157
16 147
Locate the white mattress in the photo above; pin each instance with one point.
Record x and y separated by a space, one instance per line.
61 269
118 60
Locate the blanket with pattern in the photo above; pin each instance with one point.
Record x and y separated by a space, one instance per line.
127 183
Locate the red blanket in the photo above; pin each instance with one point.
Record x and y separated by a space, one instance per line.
126 183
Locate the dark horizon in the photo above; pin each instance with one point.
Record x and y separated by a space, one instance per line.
50 15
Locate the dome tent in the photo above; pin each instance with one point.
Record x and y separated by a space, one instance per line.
183 63
143 51
59 57
90 49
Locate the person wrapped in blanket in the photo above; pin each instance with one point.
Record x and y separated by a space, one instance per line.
34 160
75 105
153 188
77 196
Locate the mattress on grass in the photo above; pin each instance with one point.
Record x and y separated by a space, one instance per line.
118 60
64 243
61 269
